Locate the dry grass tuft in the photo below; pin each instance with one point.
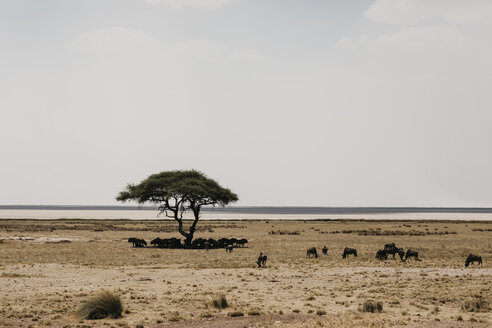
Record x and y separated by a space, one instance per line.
220 302
371 306
105 304
478 304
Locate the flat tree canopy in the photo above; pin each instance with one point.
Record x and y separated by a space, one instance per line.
176 192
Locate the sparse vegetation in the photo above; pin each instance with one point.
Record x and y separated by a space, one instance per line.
477 304
371 306
220 302
158 283
105 304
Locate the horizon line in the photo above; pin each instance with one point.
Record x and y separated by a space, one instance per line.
272 209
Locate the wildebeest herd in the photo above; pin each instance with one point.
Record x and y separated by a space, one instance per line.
230 243
199 243
391 249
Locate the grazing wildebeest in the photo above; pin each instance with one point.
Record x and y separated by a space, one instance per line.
413 254
261 260
401 254
312 251
391 249
382 254
137 242
473 258
207 245
229 248
325 250
241 242
347 251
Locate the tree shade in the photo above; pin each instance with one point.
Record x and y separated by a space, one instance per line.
176 192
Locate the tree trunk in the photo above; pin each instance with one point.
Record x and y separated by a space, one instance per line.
188 235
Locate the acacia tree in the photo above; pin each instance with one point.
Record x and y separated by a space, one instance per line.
176 192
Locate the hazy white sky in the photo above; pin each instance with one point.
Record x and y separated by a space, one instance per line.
286 102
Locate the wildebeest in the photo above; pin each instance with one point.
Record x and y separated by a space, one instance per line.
156 242
401 254
382 254
229 248
391 249
413 254
241 242
166 243
325 250
137 242
261 260
312 251
473 258
347 251
223 242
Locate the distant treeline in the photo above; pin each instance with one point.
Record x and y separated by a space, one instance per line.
295 210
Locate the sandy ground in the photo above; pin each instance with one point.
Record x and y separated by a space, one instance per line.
48 269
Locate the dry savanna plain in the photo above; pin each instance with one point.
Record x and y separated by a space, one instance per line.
48 268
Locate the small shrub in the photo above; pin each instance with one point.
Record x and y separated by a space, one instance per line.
235 314
371 306
321 312
220 302
254 312
175 317
105 304
478 304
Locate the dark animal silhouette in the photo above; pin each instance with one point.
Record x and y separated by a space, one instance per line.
156 242
261 260
137 242
347 251
241 242
325 250
312 251
473 258
229 248
413 254
401 254
391 249
223 242
382 254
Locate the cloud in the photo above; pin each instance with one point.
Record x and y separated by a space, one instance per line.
114 40
346 42
251 55
205 4
409 12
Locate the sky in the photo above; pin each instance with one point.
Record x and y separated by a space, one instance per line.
285 102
